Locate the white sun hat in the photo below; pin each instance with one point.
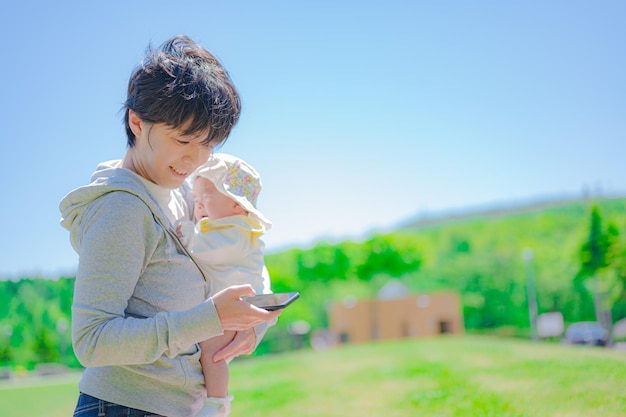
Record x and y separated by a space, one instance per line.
236 179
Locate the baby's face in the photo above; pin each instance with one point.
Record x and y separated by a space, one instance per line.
209 202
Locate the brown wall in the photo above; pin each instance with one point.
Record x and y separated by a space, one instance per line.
415 316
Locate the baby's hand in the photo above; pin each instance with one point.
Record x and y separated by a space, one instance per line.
178 232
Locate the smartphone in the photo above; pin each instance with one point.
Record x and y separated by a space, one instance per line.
276 301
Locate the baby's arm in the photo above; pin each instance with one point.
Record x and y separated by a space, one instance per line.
185 230
265 288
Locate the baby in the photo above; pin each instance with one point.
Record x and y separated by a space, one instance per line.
225 239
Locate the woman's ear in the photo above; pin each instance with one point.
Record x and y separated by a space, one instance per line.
135 123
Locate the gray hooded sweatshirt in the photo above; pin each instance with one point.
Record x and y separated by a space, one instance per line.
139 306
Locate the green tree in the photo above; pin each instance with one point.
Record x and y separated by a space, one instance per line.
385 256
323 263
617 257
595 273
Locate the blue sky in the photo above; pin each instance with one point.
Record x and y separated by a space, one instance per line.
358 115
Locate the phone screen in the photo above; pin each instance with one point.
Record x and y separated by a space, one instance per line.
273 301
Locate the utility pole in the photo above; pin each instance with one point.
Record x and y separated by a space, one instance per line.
527 255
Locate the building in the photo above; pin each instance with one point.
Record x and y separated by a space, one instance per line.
408 316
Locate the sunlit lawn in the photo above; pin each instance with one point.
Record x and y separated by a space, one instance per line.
53 396
465 376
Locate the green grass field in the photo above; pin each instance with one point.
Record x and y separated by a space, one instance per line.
442 377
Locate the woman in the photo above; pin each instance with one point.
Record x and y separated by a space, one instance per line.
139 305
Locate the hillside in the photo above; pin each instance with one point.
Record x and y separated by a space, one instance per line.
478 254
502 209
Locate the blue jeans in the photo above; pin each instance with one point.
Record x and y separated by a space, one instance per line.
89 406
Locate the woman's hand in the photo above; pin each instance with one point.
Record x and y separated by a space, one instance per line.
243 343
236 314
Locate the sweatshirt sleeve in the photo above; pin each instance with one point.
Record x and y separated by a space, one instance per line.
118 236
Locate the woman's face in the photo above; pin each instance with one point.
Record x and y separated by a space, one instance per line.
164 155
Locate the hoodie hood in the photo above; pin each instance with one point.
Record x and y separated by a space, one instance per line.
106 179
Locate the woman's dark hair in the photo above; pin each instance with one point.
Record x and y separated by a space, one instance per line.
184 86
